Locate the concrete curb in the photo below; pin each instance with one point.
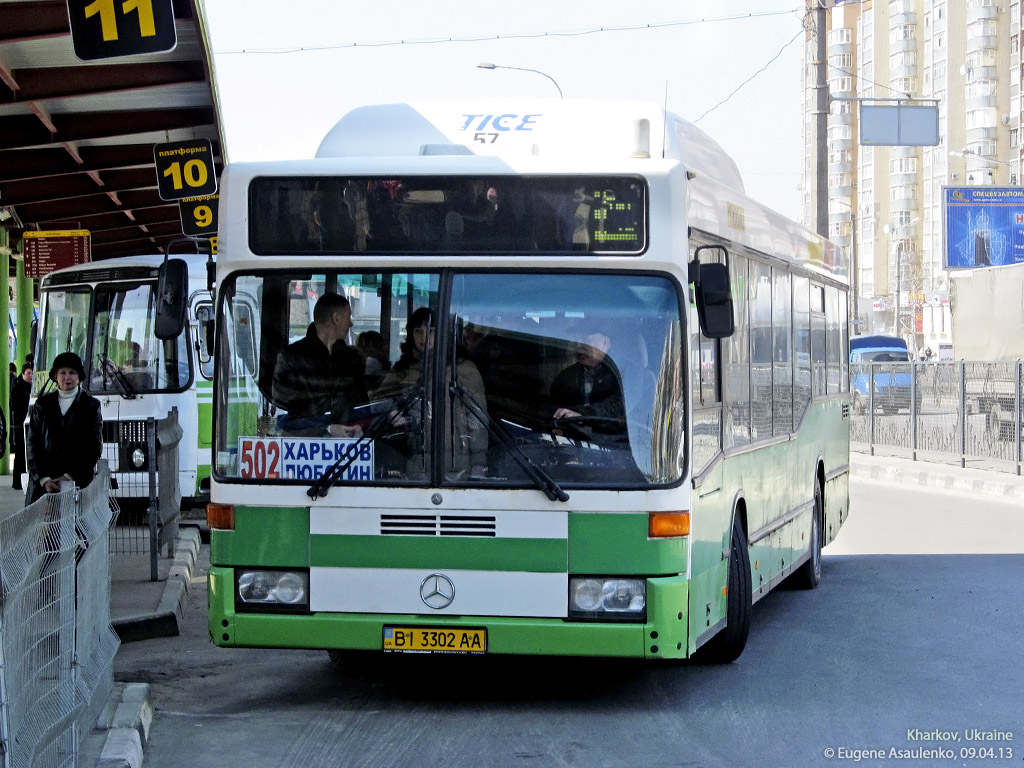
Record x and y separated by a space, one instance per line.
940 477
164 622
128 729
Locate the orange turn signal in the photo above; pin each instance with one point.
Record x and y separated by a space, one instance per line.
221 516
662 525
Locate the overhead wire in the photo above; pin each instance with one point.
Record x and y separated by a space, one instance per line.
510 36
749 79
561 33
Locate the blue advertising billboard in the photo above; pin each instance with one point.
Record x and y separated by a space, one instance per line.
984 226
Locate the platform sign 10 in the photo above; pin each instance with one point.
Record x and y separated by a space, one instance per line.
104 29
185 169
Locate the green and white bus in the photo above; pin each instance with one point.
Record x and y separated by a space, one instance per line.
539 235
105 313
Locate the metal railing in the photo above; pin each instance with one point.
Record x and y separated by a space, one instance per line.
146 528
56 643
969 412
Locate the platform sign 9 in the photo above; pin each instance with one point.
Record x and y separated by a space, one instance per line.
185 169
199 215
104 29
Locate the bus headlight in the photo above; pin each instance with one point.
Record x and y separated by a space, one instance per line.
138 458
610 598
260 590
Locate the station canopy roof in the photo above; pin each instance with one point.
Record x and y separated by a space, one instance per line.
77 137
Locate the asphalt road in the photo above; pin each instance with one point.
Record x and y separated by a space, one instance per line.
915 632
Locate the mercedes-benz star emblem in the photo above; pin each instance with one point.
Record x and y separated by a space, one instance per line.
437 591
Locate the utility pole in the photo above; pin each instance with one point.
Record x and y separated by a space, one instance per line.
854 320
821 120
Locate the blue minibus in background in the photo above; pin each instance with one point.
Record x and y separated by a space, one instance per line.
892 380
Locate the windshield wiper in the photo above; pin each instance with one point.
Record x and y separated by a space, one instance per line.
124 386
540 478
377 427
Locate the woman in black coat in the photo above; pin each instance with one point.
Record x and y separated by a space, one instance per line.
64 438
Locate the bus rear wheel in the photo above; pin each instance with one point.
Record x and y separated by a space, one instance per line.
728 644
808 576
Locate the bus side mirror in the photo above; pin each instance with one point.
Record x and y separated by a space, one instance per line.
211 273
713 295
171 299
33 337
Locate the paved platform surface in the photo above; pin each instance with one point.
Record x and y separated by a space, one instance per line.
142 608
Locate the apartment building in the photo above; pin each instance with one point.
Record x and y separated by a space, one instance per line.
886 203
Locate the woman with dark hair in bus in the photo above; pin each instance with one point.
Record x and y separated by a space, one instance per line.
466 435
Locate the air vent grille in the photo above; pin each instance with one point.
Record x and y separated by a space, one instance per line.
437 525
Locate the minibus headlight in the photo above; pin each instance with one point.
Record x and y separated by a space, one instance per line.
260 590
608 598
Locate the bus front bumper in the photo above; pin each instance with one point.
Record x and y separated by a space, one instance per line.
663 635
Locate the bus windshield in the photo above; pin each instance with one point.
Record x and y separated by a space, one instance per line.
579 376
125 350
63 327
119 349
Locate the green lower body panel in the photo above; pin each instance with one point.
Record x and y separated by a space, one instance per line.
662 636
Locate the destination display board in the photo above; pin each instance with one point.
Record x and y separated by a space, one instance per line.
301 458
46 251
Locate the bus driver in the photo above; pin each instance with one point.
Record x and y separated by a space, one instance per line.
590 387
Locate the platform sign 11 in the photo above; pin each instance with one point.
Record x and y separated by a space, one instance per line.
104 29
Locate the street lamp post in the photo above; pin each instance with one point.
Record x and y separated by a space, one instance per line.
970 154
489 65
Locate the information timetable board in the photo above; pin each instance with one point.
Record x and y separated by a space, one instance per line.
47 251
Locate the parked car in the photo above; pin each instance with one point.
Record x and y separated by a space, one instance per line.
888 359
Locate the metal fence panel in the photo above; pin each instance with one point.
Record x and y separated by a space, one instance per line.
56 642
149 520
948 411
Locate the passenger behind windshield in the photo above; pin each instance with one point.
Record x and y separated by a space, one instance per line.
589 390
375 352
319 379
466 436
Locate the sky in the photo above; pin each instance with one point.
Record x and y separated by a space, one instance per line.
287 71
